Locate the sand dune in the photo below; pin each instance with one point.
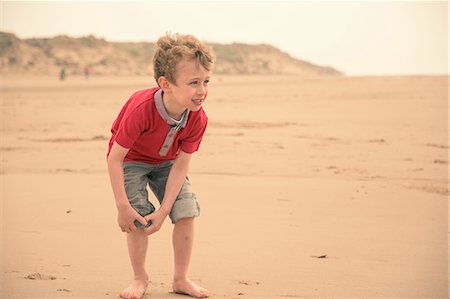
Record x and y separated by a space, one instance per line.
309 187
45 56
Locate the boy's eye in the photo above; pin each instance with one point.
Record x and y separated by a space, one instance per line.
197 82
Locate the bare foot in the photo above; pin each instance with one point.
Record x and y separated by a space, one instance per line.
136 289
188 287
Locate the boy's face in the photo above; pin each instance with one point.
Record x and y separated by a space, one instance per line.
191 86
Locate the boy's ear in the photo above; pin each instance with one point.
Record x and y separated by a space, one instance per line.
164 83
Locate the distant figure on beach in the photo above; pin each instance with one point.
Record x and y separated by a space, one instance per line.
62 74
87 72
153 139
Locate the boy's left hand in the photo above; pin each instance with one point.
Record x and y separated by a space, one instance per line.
157 219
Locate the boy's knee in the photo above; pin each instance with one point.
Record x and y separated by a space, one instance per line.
185 221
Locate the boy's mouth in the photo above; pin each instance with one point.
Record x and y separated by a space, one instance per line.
198 101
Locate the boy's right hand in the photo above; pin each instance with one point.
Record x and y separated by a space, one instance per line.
126 216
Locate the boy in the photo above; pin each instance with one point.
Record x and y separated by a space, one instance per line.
152 142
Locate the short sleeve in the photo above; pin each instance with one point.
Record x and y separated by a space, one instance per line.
191 143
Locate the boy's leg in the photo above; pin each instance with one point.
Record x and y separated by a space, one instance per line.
183 241
137 249
182 214
135 176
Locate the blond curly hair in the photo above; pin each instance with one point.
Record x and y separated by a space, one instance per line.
172 48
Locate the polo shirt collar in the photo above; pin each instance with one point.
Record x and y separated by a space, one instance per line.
174 127
163 112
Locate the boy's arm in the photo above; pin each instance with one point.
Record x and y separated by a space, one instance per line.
175 181
126 213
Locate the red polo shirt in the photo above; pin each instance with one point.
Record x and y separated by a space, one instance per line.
141 128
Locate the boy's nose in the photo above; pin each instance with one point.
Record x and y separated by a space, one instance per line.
201 90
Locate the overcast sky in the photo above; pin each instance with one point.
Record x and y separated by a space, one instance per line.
356 37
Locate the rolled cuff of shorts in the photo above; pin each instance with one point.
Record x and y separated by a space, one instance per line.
184 208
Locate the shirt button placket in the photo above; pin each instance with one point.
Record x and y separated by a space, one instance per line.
167 142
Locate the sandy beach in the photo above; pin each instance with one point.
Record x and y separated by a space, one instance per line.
332 187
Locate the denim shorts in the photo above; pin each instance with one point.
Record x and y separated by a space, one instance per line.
138 175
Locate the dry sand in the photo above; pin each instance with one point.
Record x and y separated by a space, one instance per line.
353 170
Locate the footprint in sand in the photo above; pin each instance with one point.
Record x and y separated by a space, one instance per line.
39 276
247 282
437 145
431 188
380 141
